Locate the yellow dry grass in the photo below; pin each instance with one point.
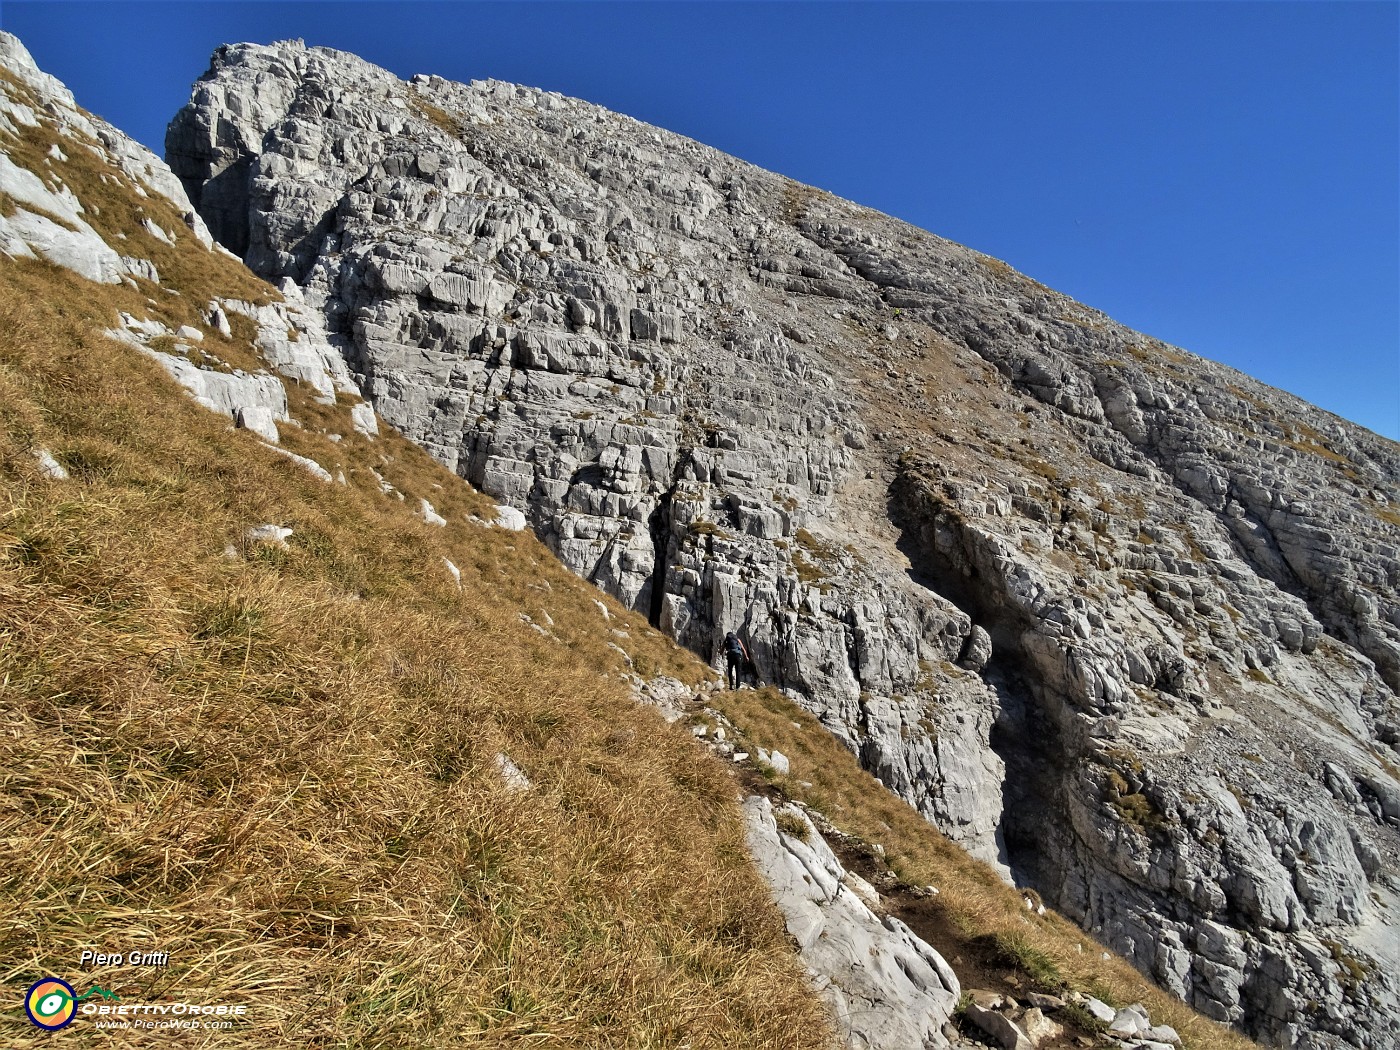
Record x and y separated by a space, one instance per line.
280 765
1050 950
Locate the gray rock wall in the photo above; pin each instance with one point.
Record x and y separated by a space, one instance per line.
1116 618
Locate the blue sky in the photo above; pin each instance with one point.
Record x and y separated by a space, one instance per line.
1225 177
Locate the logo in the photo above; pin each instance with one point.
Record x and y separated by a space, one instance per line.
51 1003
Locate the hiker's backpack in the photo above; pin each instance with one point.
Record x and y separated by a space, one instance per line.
732 645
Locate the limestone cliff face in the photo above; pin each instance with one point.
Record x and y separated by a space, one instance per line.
1117 618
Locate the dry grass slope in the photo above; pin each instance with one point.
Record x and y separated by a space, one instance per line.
280 765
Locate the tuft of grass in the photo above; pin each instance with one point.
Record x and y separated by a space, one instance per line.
434 114
793 825
798 198
807 571
1353 971
994 266
1134 808
1076 1016
1017 949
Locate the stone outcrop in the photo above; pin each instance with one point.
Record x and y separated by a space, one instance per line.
47 220
888 989
43 218
1116 618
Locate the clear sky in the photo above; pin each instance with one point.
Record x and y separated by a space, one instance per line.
1223 176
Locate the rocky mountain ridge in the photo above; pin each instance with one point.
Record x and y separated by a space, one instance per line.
277 393
1112 616
1119 619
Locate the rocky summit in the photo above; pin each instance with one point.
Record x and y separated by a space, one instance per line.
1117 619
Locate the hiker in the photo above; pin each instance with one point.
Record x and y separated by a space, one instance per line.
736 656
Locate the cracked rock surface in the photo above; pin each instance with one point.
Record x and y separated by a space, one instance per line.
888 989
1117 619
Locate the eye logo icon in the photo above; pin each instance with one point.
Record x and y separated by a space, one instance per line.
51 1003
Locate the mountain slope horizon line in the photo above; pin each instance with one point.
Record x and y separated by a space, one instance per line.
1119 621
352 625
1115 618
815 187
